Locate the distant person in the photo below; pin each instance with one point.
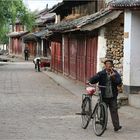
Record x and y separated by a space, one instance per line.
26 53
36 61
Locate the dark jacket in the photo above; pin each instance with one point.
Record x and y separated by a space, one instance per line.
100 78
26 51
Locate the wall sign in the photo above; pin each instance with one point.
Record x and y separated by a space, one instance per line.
126 34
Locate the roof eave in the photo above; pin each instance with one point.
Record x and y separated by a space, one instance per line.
124 7
101 21
18 34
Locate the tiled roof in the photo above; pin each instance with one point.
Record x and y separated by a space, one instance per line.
36 36
17 34
67 4
76 24
125 3
42 34
44 18
30 37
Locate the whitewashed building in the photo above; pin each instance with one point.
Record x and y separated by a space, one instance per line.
131 63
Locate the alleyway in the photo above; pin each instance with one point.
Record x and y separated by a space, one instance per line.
34 107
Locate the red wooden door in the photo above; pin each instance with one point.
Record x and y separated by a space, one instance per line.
55 56
91 57
20 46
66 56
81 59
16 46
52 56
56 59
32 48
72 57
59 57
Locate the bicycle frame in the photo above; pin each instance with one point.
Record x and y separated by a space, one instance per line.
97 114
96 105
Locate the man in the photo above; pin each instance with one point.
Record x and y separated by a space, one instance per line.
26 53
111 79
36 61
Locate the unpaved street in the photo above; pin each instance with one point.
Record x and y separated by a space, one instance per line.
34 107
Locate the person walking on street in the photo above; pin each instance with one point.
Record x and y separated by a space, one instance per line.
110 78
26 53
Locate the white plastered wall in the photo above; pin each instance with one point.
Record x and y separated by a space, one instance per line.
131 70
101 52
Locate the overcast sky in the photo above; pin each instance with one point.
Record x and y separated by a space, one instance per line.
40 4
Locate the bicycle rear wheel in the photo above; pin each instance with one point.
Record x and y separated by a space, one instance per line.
86 112
100 119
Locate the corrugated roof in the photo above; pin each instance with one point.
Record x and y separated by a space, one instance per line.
76 24
125 3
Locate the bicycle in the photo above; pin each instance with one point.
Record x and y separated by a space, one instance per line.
99 114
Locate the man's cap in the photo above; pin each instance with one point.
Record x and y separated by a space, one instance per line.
108 60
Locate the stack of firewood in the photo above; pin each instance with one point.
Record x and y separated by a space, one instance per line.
115 42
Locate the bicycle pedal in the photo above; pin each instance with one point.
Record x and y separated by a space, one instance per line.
80 113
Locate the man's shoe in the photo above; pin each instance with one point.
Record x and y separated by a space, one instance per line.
97 122
116 129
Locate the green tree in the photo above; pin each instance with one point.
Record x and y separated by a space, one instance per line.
12 10
3 34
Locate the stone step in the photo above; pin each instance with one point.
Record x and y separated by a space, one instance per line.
134 100
3 60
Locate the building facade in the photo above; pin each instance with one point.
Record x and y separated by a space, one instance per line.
81 38
15 39
131 48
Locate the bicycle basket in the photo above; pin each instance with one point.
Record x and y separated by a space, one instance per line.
90 90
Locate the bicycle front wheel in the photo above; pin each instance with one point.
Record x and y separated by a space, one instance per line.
86 112
100 119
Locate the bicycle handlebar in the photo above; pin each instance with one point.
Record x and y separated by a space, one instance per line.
93 85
